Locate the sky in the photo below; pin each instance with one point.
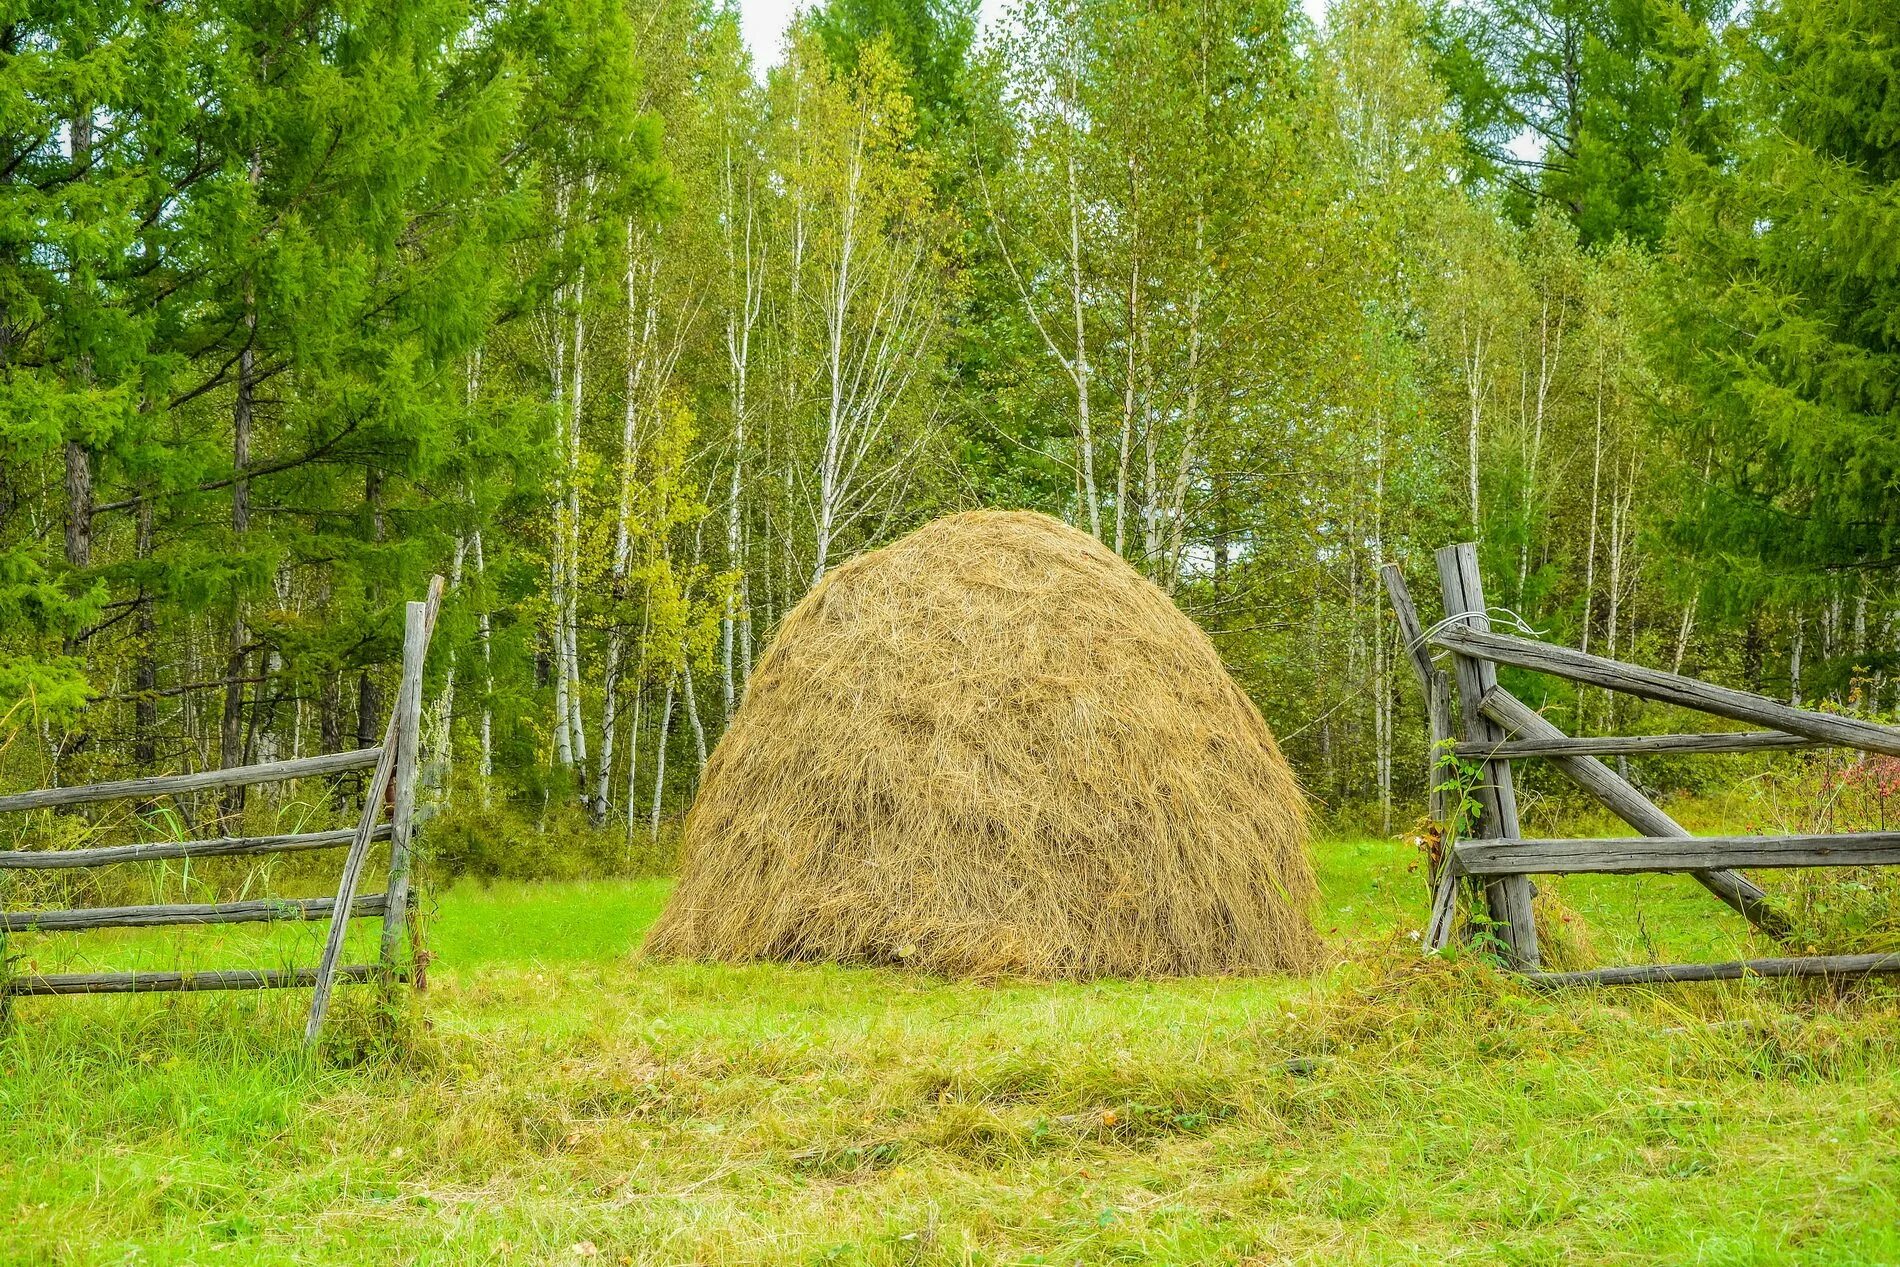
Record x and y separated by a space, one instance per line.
764 23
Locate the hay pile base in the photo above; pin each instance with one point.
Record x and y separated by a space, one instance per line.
991 748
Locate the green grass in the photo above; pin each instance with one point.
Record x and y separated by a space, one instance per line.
561 1101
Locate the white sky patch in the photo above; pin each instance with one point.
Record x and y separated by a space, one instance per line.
764 23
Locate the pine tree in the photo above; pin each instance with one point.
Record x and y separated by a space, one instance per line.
1787 334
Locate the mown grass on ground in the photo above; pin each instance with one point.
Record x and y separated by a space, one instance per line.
561 1101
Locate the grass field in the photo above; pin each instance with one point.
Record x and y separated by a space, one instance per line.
560 1101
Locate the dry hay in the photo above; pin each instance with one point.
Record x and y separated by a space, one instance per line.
989 748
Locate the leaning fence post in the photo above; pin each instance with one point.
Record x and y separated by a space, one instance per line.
1435 683
1508 898
366 828
346 888
1432 682
415 648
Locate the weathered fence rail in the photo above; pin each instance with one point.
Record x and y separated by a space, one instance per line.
1498 728
1667 688
257 911
393 764
1634 746
1730 970
185 982
163 850
1633 855
204 781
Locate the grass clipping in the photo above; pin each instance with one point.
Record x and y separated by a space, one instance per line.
994 748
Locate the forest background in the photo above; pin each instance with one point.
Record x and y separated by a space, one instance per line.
304 301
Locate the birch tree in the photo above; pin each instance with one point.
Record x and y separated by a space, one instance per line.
865 291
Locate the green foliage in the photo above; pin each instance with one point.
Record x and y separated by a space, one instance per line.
1786 338
1578 103
560 299
1836 910
930 39
501 842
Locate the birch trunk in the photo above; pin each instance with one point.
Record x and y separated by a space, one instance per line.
558 536
1131 341
837 312
1596 501
1550 346
879 326
145 671
633 760
570 621
633 732
642 319
1382 720
692 717
745 273
487 767
1794 661
659 761
1151 494
1683 632
1620 497
1474 409
1084 429
1190 416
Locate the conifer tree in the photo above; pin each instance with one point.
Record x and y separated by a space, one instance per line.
1787 333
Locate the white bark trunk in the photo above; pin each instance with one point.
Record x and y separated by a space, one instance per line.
642 320
1474 410
659 762
487 767
633 754
1084 428
745 272
1596 501
1190 417
570 622
692 716
1683 632
1130 371
1794 661
557 550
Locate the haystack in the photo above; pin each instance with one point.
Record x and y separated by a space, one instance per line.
989 748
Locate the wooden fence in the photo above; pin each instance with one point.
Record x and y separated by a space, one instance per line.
393 763
1495 728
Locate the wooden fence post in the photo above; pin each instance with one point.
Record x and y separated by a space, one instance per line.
346 887
1508 898
1435 683
372 810
415 649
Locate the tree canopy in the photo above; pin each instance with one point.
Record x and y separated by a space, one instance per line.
634 338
